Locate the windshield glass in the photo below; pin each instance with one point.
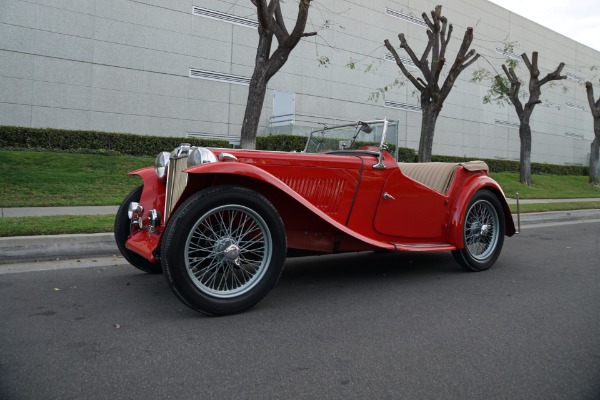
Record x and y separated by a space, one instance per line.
346 137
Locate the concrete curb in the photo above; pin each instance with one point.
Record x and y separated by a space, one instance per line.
51 247
558 216
43 248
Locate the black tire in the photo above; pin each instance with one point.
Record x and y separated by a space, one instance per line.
223 250
483 232
123 230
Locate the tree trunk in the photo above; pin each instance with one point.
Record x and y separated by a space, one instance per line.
525 157
256 97
594 157
429 118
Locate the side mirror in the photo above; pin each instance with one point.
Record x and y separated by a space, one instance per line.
365 127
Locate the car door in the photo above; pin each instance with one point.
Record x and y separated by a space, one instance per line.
407 209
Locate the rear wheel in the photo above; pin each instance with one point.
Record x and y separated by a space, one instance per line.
124 228
483 232
224 250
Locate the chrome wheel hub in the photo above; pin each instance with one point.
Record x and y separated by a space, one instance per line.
227 250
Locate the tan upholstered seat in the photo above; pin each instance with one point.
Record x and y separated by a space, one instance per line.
434 175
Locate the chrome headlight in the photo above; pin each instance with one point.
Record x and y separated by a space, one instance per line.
161 164
200 155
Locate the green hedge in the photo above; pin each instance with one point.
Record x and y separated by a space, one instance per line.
138 145
102 142
281 142
513 166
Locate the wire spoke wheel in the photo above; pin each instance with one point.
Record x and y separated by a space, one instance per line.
223 250
483 232
227 251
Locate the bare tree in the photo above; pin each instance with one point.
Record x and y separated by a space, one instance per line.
267 63
595 146
432 95
503 89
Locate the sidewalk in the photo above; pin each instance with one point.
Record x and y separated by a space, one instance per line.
52 247
49 211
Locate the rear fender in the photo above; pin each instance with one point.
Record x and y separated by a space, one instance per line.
459 209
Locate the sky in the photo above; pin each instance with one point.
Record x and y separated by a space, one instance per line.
576 19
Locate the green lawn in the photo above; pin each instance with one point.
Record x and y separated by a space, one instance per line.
547 186
37 179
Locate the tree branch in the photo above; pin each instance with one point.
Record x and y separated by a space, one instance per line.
594 106
513 93
400 64
262 12
445 38
553 76
298 30
428 48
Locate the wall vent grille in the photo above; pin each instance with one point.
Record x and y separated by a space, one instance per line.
405 17
575 106
550 104
509 54
574 135
219 77
221 16
402 106
507 124
406 61
575 78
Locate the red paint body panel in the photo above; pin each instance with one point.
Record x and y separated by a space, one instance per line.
334 203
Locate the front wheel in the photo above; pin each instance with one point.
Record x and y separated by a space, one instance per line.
483 232
223 250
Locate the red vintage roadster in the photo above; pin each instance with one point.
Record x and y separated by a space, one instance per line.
219 223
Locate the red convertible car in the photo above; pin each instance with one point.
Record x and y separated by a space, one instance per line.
219 223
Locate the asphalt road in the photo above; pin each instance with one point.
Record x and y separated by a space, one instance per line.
366 326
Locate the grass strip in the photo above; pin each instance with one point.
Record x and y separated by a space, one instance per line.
56 225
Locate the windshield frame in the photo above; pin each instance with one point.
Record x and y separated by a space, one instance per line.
358 128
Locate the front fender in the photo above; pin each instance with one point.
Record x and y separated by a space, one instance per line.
272 188
153 195
459 209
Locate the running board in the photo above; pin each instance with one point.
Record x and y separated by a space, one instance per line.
423 247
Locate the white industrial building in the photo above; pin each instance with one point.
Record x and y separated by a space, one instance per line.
181 68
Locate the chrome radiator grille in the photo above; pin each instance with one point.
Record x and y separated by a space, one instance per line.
176 183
